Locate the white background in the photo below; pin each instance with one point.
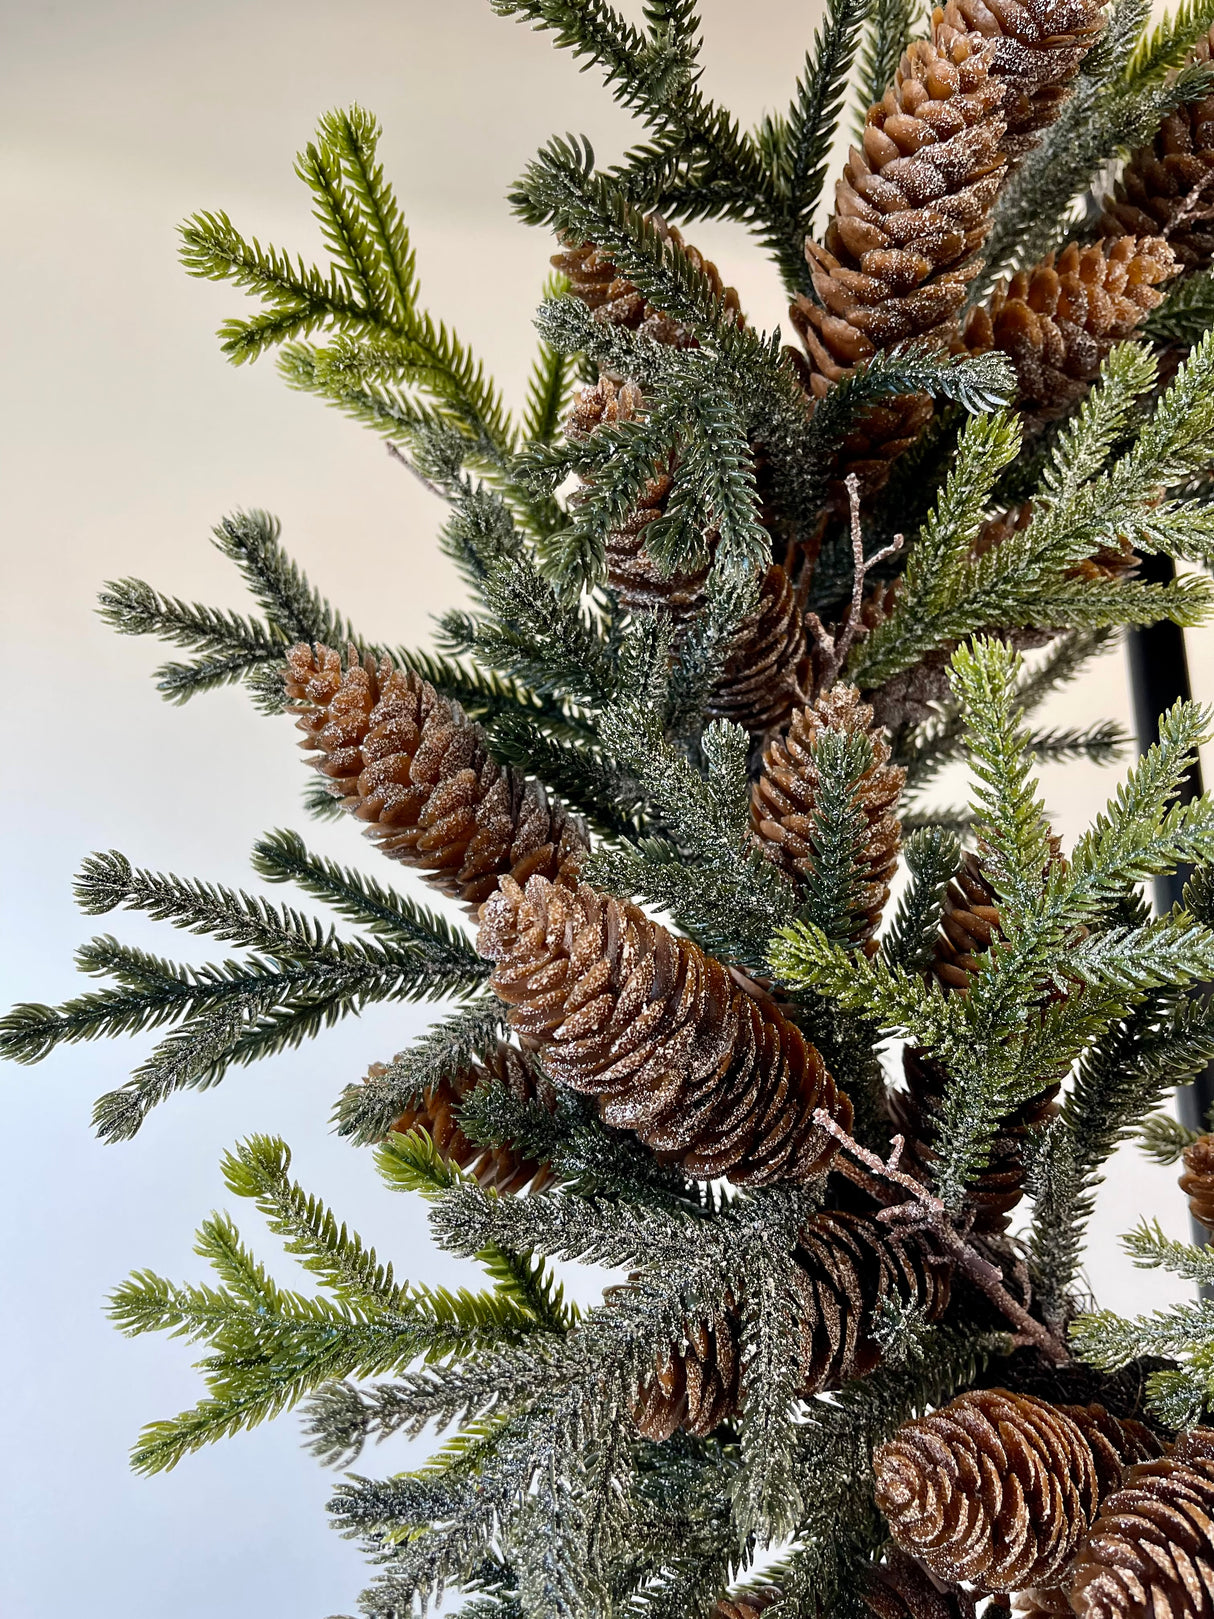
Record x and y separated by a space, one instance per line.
125 437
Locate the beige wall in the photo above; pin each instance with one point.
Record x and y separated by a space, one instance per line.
125 436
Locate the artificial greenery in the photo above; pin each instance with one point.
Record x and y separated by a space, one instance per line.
549 1497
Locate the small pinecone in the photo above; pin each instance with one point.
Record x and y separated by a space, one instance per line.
897 1588
998 1489
1039 45
911 207
746 1604
1167 187
617 302
767 670
409 761
1057 321
695 1386
1150 1552
709 1077
911 697
848 1266
782 804
1197 1182
968 923
1000 1186
631 572
496 1167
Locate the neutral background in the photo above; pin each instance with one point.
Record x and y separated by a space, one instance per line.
125 437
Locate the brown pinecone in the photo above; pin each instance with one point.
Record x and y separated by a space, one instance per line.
1038 48
1197 1182
409 762
782 803
1000 1186
746 1604
998 1489
911 208
767 670
848 1265
631 572
617 302
709 1077
1150 1552
1167 187
969 921
437 1113
1057 321
897 1588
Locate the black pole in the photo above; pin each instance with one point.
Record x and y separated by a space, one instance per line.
1159 676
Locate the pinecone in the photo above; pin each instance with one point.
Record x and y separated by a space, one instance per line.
408 761
1150 1552
909 698
631 573
746 1604
1000 1186
911 207
767 670
1167 187
617 302
849 1265
709 1077
782 804
496 1167
968 923
1197 1182
897 1588
998 1489
1057 321
1038 48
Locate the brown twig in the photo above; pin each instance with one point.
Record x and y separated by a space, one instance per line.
924 1208
397 455
833 649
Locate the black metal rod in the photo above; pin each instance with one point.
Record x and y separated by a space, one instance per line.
1159 677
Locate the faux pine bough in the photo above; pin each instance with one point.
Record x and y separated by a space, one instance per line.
732 606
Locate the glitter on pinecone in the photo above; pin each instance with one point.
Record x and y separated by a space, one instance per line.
998 1489
1057 321
1038 48
437 1113
783 800
412 764
709 1077
1150 1552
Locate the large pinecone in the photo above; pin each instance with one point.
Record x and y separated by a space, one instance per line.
897 1588
911 207
1150 1552
437 1112
1038 47
848 1266
784 797
998 1489
1057 321
709 1077
1197 1182
616 301
1167 187
413 765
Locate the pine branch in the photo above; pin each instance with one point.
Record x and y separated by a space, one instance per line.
932 856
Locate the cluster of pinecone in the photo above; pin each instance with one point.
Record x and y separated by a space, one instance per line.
997 1492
